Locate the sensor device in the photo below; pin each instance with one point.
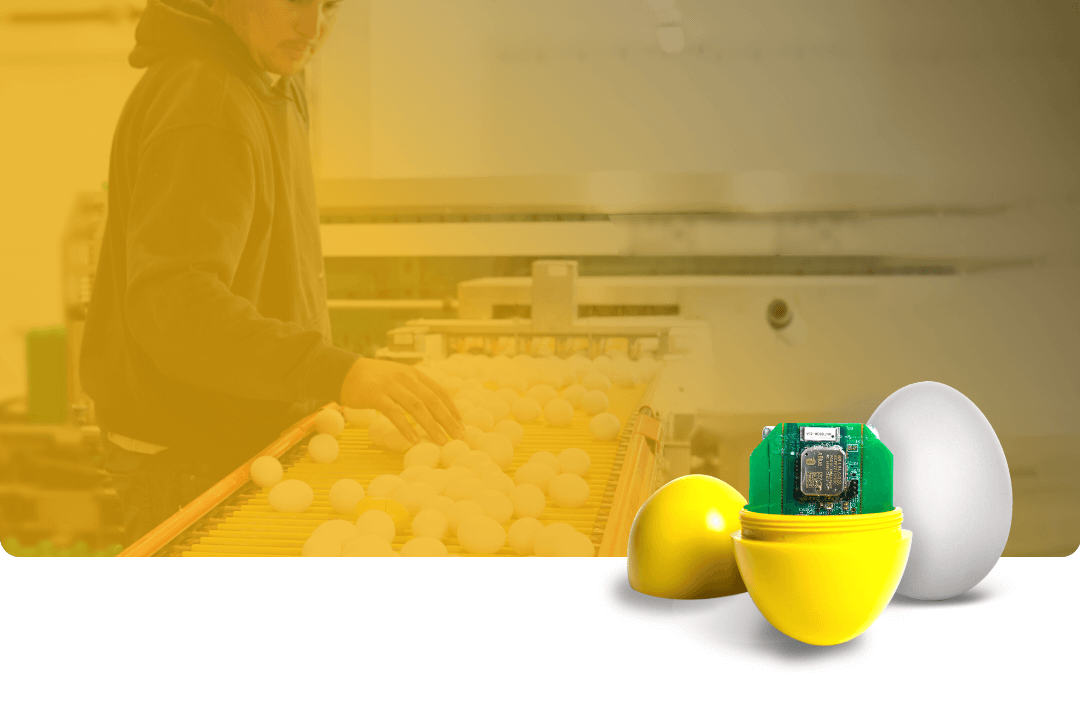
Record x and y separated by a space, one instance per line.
820 469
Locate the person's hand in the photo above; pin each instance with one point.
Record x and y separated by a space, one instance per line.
395 389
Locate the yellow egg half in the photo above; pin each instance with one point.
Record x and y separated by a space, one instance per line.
680 542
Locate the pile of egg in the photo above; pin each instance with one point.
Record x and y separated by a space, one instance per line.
461 489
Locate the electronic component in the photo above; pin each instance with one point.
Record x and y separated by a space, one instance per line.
820 469
823 471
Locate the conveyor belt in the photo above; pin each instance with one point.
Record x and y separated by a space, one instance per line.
245 525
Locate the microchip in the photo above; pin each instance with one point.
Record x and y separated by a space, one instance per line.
823 470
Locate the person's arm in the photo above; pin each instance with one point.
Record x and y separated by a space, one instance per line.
192 208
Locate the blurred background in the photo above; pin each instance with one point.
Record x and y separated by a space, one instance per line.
896 183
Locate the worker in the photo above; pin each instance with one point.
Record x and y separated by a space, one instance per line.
207 333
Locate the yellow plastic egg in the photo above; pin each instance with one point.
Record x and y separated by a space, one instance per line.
680 543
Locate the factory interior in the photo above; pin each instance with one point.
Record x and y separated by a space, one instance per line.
736 214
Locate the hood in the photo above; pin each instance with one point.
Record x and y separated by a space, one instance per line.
188 27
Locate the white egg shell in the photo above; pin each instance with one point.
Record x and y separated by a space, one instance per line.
951 480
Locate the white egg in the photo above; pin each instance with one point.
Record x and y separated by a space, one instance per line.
605 426
430 522
546 541
522 533
499 481
525 410
497 506
528 500
507 395
414 473
384 485
344 494
470 459
559 412
534 473
594 402
622 375
480 534
340 530
321 546
368 546
329 421
498 447
568 491
410 495
576 461
575 394
463 488
499 408
423 454
542 394
547 458
291 496
266 471
323 448
424 547
952 482
511 429
451 450
473 435
377 523
479 417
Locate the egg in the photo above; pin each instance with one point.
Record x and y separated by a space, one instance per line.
424 547
528 500
410 495
952 482
525 410
368 546
479 417
594 402
576 461
321 546
605 426
384 485
377 523
575 394
430 522
291 496
266 471
451 450
344 494
546 457
480 534
534 473
596 381
522 533
497 446
323 448
542 394
559 412
424 453
511 429
568 491
329 421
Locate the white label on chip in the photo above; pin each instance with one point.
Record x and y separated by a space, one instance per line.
819 433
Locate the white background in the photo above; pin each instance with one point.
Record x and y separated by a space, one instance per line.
479 637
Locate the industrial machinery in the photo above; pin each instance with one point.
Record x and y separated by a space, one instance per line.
234 518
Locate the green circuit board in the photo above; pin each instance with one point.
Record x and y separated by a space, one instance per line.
821 469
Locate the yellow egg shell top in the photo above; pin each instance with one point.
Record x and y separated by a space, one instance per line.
680 543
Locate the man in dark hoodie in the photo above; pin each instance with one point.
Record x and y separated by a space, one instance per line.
207 333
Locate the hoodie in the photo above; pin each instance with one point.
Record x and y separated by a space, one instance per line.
207 330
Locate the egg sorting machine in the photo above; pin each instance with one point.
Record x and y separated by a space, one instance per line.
233 517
